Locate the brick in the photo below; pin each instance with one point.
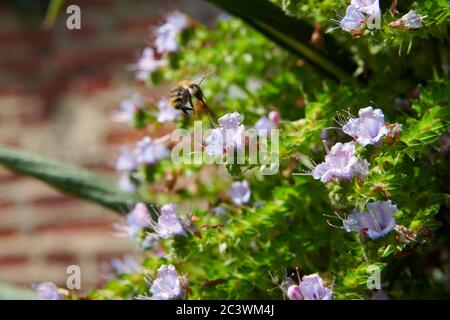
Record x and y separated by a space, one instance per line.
59 201
75 226
5 204
121 137
9 232
13 260
137 27
61 258
92 58
28 37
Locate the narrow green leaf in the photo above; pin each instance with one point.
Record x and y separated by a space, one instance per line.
53 10
67 178
293 35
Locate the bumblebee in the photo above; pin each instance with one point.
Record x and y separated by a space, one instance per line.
180 97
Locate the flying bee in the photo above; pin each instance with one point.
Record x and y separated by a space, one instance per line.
180 97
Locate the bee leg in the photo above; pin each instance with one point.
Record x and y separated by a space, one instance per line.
192 105
186 110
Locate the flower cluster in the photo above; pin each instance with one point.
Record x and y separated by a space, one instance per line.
165 42
228 137
167 225
145 152
47 291
361 13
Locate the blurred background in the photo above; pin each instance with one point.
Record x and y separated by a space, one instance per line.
58 89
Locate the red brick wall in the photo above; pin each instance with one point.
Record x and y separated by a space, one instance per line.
57 91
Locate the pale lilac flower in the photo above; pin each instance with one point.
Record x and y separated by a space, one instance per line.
355 222
167 285
341 163
376 222
311 287
166 113
240 192
47 291
125 183
147 64
294 292
230 120
275 117
380 218
265 124
126 163
369 128
220 211
353 21
126 265
369 7
148 151
128 107
166 34
412 20
169 223
138 219
149 242
226 138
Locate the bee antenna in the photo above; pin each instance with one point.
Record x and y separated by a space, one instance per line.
201 80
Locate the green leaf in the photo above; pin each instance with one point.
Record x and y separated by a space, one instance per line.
53 10
293 35
67 178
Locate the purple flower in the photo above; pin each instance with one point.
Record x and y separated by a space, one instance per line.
126 160
169 223
240 192
125 183
369 7
167 285
126 163
166 113
126 265
412 20
138 219
229 136
166 34
149 152
341 163
353 21
369 128
265 124
47 291
311 287
147 64
376 223
128 107
294 292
